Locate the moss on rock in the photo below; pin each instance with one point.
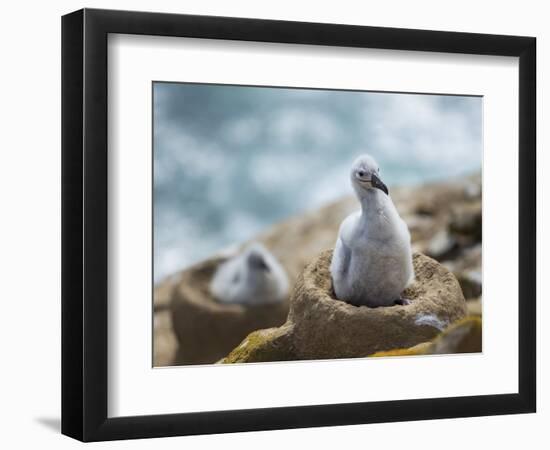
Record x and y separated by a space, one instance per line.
464 336
272 344
419 349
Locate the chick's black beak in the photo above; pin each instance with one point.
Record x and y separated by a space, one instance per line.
256 261
377 183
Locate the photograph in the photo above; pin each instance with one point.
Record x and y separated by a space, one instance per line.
294 224
268 225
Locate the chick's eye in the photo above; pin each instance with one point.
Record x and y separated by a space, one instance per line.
361 173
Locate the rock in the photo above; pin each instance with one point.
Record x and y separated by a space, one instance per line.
467 268
433 198
463 336
273 344
442 246
474 307
427 208
465 221
472 189
468 258
162 295
296 241
417 223
165 341
321 327
419 349
207 330
470 282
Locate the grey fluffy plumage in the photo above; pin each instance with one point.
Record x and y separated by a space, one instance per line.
372 260
252 277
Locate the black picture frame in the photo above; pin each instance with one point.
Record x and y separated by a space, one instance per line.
84 224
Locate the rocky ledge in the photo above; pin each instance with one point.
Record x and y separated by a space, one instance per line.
444 219
321 327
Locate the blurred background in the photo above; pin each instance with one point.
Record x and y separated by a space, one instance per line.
230 161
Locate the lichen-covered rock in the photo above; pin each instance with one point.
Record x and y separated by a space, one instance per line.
419 349
273 344
463 336
321 327
207 330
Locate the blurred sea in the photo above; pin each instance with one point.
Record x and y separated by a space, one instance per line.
230 161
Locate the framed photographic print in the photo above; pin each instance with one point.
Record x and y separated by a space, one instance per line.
272 224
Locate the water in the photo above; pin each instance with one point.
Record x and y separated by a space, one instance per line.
230 161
